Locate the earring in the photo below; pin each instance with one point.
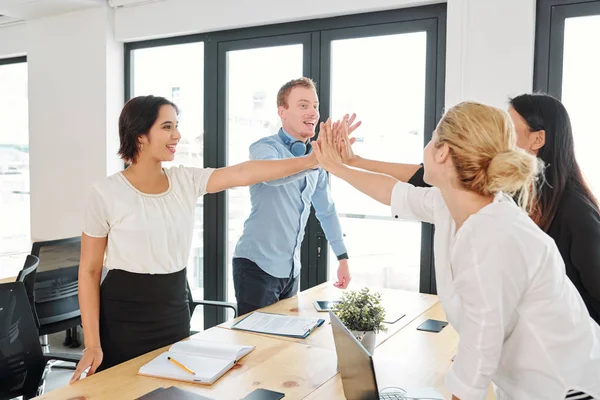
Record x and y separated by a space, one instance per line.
141 146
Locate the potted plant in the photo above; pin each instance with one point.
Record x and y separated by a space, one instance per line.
362 313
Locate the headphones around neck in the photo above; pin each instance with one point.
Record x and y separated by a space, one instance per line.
297 147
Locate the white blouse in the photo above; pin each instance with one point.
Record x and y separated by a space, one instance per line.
502 283
147 233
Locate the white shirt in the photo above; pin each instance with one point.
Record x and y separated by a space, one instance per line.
502 283
147 233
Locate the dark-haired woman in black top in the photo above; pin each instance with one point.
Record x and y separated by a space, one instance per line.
566 208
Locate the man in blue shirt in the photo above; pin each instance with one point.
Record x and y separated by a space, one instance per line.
266 260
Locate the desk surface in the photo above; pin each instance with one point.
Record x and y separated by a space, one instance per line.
293 368
8 280
396 303
296 367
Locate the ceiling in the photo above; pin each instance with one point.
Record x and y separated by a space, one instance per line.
28 9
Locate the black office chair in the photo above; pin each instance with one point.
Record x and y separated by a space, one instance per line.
22 362
56 288
213 303
28 276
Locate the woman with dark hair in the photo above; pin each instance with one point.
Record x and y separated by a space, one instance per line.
565 207
142 218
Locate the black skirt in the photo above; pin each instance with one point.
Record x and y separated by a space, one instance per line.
140 313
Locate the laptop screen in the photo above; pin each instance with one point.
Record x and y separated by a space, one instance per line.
354 363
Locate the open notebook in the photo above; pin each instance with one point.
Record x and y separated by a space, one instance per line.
208 361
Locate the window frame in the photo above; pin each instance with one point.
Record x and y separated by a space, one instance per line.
549 40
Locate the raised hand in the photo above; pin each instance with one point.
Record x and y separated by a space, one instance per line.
325 148
351 125
343 141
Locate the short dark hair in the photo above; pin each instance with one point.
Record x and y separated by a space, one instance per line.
136 119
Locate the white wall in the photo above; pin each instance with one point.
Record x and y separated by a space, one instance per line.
13 41
180 17
75 86
489 50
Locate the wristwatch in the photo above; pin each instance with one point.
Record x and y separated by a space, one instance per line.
343 256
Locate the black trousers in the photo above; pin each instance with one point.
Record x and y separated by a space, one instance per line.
140 313
254 288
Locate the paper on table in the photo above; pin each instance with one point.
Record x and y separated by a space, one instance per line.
277 324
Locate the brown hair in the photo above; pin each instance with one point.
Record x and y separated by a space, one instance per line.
483 148
284 91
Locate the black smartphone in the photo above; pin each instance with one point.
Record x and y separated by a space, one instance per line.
264 394
432 325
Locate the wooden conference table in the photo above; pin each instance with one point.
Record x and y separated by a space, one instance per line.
301 368
8 279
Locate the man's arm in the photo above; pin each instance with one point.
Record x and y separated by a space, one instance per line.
326 213
266 151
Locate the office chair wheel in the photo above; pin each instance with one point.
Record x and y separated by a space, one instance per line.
72 338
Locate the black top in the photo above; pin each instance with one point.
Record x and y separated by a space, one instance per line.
576 231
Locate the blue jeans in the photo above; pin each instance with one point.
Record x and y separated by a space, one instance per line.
254 288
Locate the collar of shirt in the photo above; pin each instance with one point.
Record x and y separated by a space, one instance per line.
286 138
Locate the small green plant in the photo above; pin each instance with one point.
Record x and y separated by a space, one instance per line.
361 311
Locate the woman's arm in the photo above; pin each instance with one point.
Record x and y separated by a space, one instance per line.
402 172
90 272
376 186
256 171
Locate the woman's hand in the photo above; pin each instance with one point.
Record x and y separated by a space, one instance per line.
344 141
92 358
325 147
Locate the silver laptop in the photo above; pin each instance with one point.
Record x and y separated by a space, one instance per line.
356 366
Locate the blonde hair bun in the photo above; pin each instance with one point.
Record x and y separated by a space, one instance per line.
483 147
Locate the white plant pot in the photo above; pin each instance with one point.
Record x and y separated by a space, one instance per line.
367 339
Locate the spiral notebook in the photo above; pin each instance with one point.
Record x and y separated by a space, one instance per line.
195 361
280 325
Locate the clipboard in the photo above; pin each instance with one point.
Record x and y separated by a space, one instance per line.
302 327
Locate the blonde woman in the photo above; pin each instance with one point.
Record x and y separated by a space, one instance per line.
500 278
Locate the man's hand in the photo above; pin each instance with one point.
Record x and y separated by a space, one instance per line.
342 131
343 274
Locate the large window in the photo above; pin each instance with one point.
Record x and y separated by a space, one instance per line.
388 67
177 73
384 252
568 67
14 166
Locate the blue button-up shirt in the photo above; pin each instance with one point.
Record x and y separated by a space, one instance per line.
274 230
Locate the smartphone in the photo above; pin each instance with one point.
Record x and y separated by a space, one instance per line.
432 325
321 305
264 394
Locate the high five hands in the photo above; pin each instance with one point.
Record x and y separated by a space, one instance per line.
334 146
